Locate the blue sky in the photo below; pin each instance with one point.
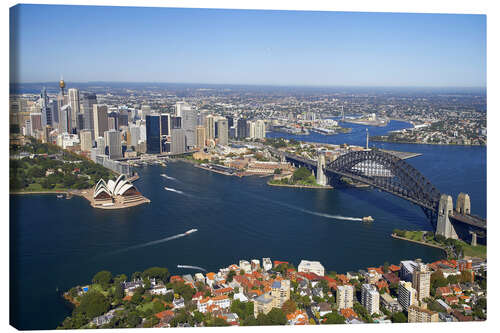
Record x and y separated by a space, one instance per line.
85 43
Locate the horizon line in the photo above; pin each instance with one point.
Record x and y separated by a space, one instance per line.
259 84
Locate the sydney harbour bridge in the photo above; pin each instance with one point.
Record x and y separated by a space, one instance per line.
392 174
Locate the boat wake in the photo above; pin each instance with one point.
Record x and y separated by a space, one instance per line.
192 267
176 191
329 216
163 240
168 177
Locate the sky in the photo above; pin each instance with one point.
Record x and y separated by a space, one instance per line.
304 48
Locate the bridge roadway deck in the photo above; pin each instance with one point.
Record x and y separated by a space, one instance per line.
469 219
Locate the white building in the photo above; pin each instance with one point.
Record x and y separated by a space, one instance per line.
311 267
267 264
370 298
67 140
221 301
345 296
407 295
245 265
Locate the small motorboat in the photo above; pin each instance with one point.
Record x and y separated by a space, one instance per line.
190 231
368 219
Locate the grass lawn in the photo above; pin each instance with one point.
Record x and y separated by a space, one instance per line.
145 307
474 251
414 235
98 288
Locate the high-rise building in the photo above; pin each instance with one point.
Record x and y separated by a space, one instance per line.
165 124
406 271
189 121
242 129
178 138
345 297
100 119
422 281
223 131
251 129
200 136
153 134
114 143
54 112
260 129
135 135
74 101
210 127
178 108
370 298
86 140
407 296
88 102
101 145
65 119
145 111
45 108
35 122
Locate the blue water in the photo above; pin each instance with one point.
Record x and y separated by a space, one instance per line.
58 243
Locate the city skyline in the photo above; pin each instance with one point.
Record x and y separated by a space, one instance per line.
255 47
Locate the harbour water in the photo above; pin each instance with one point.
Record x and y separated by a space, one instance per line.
56 244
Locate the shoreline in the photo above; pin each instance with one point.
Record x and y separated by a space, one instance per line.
427 143
393 235
327 187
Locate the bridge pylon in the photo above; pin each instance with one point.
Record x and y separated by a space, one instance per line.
445 210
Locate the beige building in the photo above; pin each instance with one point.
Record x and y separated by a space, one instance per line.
421 315
345 296
280 292
85 140
311 267
262 304
422 281
210 127
201 136
100 119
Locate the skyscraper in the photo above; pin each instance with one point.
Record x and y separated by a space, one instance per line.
176 122
45 108
85 140
35 122
153 140
178 145
165 124
210 127
200 136
88 102
65 119
189 121
242 129
223 131
370 298
260 129
100 119
74 101
114 143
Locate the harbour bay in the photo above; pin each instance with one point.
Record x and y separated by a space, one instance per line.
56 244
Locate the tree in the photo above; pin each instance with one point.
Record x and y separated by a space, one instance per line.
289 306
157 273
399 317
277 171
92 304
118 292
386 267
198 316
438 280
230 276
334 318
301 174
103 278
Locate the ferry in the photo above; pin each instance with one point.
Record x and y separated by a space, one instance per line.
190 231
368 219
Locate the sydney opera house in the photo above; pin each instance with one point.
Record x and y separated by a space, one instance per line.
117 193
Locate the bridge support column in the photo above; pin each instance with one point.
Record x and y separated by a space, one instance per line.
473 241
320 171
444 226
463 204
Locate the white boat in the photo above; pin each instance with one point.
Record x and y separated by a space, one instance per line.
368 219
190 231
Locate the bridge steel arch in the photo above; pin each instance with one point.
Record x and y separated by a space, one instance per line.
405 181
